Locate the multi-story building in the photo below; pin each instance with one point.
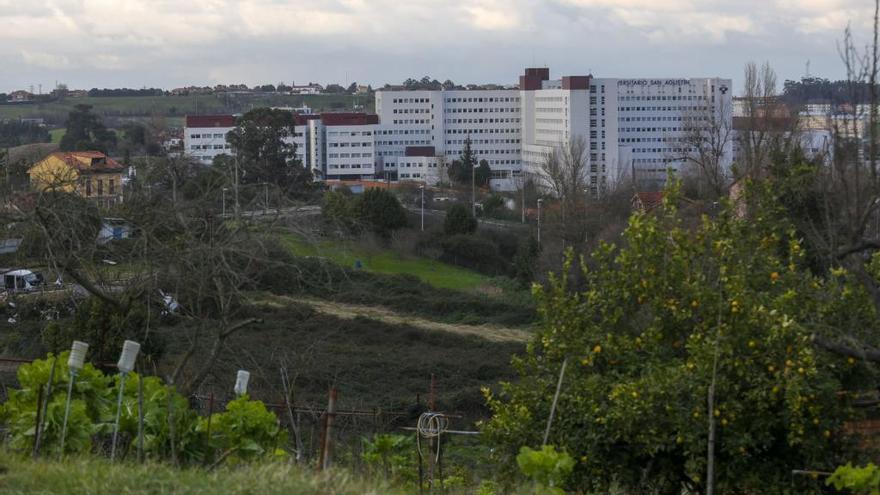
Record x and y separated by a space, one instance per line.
628 127
205 136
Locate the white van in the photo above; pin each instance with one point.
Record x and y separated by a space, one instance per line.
22 281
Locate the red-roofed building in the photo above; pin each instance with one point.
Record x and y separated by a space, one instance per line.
647 201
90 174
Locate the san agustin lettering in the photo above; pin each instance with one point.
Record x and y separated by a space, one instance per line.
652 82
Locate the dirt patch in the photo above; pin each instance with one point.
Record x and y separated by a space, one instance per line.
346 311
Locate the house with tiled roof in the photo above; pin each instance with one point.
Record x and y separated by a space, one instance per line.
90 174
646 201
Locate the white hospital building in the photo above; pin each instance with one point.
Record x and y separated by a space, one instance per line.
629 126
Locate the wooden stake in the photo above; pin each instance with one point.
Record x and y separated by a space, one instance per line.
327 435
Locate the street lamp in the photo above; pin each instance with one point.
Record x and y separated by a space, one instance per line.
224 201
422 189
540 202
125 365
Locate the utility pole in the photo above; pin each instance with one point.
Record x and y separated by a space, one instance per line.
522 203
540 202
474 190
235 192
266 191
422 189
223 201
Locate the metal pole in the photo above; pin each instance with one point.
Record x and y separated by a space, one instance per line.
118 412
44 410
474 190
224 202
66 413
140 440
266 191
522 204
539 221
39 420
422 189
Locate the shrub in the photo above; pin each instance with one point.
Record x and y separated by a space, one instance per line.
494 207
380 211
338 208
459 220
473 252
547 467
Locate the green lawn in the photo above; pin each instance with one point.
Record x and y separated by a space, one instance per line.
387 261
57 134
177 106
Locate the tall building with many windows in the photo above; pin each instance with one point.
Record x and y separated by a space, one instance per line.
628 127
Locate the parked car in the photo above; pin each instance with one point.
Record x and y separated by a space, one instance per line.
22 280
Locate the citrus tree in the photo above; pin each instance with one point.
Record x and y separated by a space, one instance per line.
679 317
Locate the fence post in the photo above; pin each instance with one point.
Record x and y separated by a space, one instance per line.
39 419
327 434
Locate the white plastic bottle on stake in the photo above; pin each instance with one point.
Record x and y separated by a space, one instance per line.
126 363
241 382
75 363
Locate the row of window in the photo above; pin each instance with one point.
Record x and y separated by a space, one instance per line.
348 133
663 98
210 146
349 155
665 109
481 121
346 144
411 121
482 131
499 99
482 110
111 187
411 110
410 100
352 165
663 119
405 142
207 136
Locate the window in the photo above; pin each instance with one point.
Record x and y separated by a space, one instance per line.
88 187
100 187
111 186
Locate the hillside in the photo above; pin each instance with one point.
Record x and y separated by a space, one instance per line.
56 112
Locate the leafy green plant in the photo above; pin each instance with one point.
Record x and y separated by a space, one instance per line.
547 467
860 480
89 410
245 431
390 453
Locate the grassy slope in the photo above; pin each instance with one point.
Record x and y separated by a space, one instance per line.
57 134
98 476
180 105
388 262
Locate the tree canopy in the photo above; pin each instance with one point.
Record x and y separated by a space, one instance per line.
659 323
86 132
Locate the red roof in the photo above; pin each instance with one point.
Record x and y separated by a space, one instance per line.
303 119
347 118
210 121
89 161
647 201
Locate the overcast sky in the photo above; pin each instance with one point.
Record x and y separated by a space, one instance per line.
171 43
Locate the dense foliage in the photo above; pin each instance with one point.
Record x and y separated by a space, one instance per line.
16 133
172 431
643 337
459 220
86 132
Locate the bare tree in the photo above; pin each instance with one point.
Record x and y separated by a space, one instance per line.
705 147
564 171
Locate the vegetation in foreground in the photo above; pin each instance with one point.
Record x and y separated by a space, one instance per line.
99 476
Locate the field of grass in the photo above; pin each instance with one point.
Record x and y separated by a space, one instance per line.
57 134
388 262
56 112
98 476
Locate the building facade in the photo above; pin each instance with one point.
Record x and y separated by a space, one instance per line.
628 127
